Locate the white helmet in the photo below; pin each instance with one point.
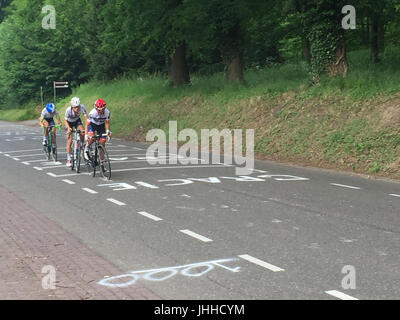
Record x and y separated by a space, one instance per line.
75 102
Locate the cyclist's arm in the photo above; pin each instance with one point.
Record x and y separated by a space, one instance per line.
58 120
86 128
85 120
67 125
107 123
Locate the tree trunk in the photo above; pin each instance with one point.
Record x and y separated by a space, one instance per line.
374 45
234 69
381 36
339 66
365 33
178 71
306 50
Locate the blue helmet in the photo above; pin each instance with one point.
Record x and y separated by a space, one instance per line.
50 107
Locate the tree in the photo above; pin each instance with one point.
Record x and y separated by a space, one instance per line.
322 24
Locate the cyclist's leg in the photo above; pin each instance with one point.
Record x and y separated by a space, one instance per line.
100 131
90 140
82 130
68 146
53 132
45 126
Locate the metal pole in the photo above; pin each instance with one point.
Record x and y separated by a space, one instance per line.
41 95
54 85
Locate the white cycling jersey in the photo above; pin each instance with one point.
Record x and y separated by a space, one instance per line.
97 118
48 115
71 116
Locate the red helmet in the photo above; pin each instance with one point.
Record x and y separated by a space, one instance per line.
100 105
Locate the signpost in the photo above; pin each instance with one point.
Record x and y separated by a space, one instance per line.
41 95
59 85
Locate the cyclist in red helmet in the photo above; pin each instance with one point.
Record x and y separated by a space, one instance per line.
98 121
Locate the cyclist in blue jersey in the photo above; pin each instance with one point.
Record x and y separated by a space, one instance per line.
47 119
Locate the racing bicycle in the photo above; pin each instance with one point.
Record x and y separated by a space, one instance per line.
77 152
96 162
50 149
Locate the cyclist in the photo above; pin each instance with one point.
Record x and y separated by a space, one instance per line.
73 120
47 119
98 121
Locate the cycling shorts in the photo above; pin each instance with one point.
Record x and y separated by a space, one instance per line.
50 121
75 124
100 129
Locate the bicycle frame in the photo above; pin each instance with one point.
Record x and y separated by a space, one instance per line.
94 156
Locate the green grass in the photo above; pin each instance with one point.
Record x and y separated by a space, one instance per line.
18 114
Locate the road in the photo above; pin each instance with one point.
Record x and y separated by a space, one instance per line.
201 232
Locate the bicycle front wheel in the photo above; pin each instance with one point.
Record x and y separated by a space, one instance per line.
91 163
77 156
54 153
105 166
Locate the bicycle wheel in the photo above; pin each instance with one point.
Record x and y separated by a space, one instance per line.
54 153
48 147
91 163
73 158
105 166
77 156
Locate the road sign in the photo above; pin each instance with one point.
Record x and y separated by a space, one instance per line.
59 85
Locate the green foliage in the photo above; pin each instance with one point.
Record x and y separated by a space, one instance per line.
108 39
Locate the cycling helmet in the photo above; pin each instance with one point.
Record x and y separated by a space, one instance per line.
50 107
100 105
75 102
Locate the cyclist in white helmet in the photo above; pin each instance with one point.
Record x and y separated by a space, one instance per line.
73 120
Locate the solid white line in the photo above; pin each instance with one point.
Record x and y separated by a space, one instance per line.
144 168
30 155
345 186
150 216
261 263
195 235
340 295
90 190
56 166
394 195
29 150
116 202
68 181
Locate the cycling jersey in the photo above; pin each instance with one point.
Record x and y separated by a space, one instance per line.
48 115
99 119
71 116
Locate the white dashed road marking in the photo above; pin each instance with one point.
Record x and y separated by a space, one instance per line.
68 181
150 216
261 263
89 190
340 295
394 195
344 186
116 202
196 235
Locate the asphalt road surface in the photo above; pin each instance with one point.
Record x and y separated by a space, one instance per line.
199 231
